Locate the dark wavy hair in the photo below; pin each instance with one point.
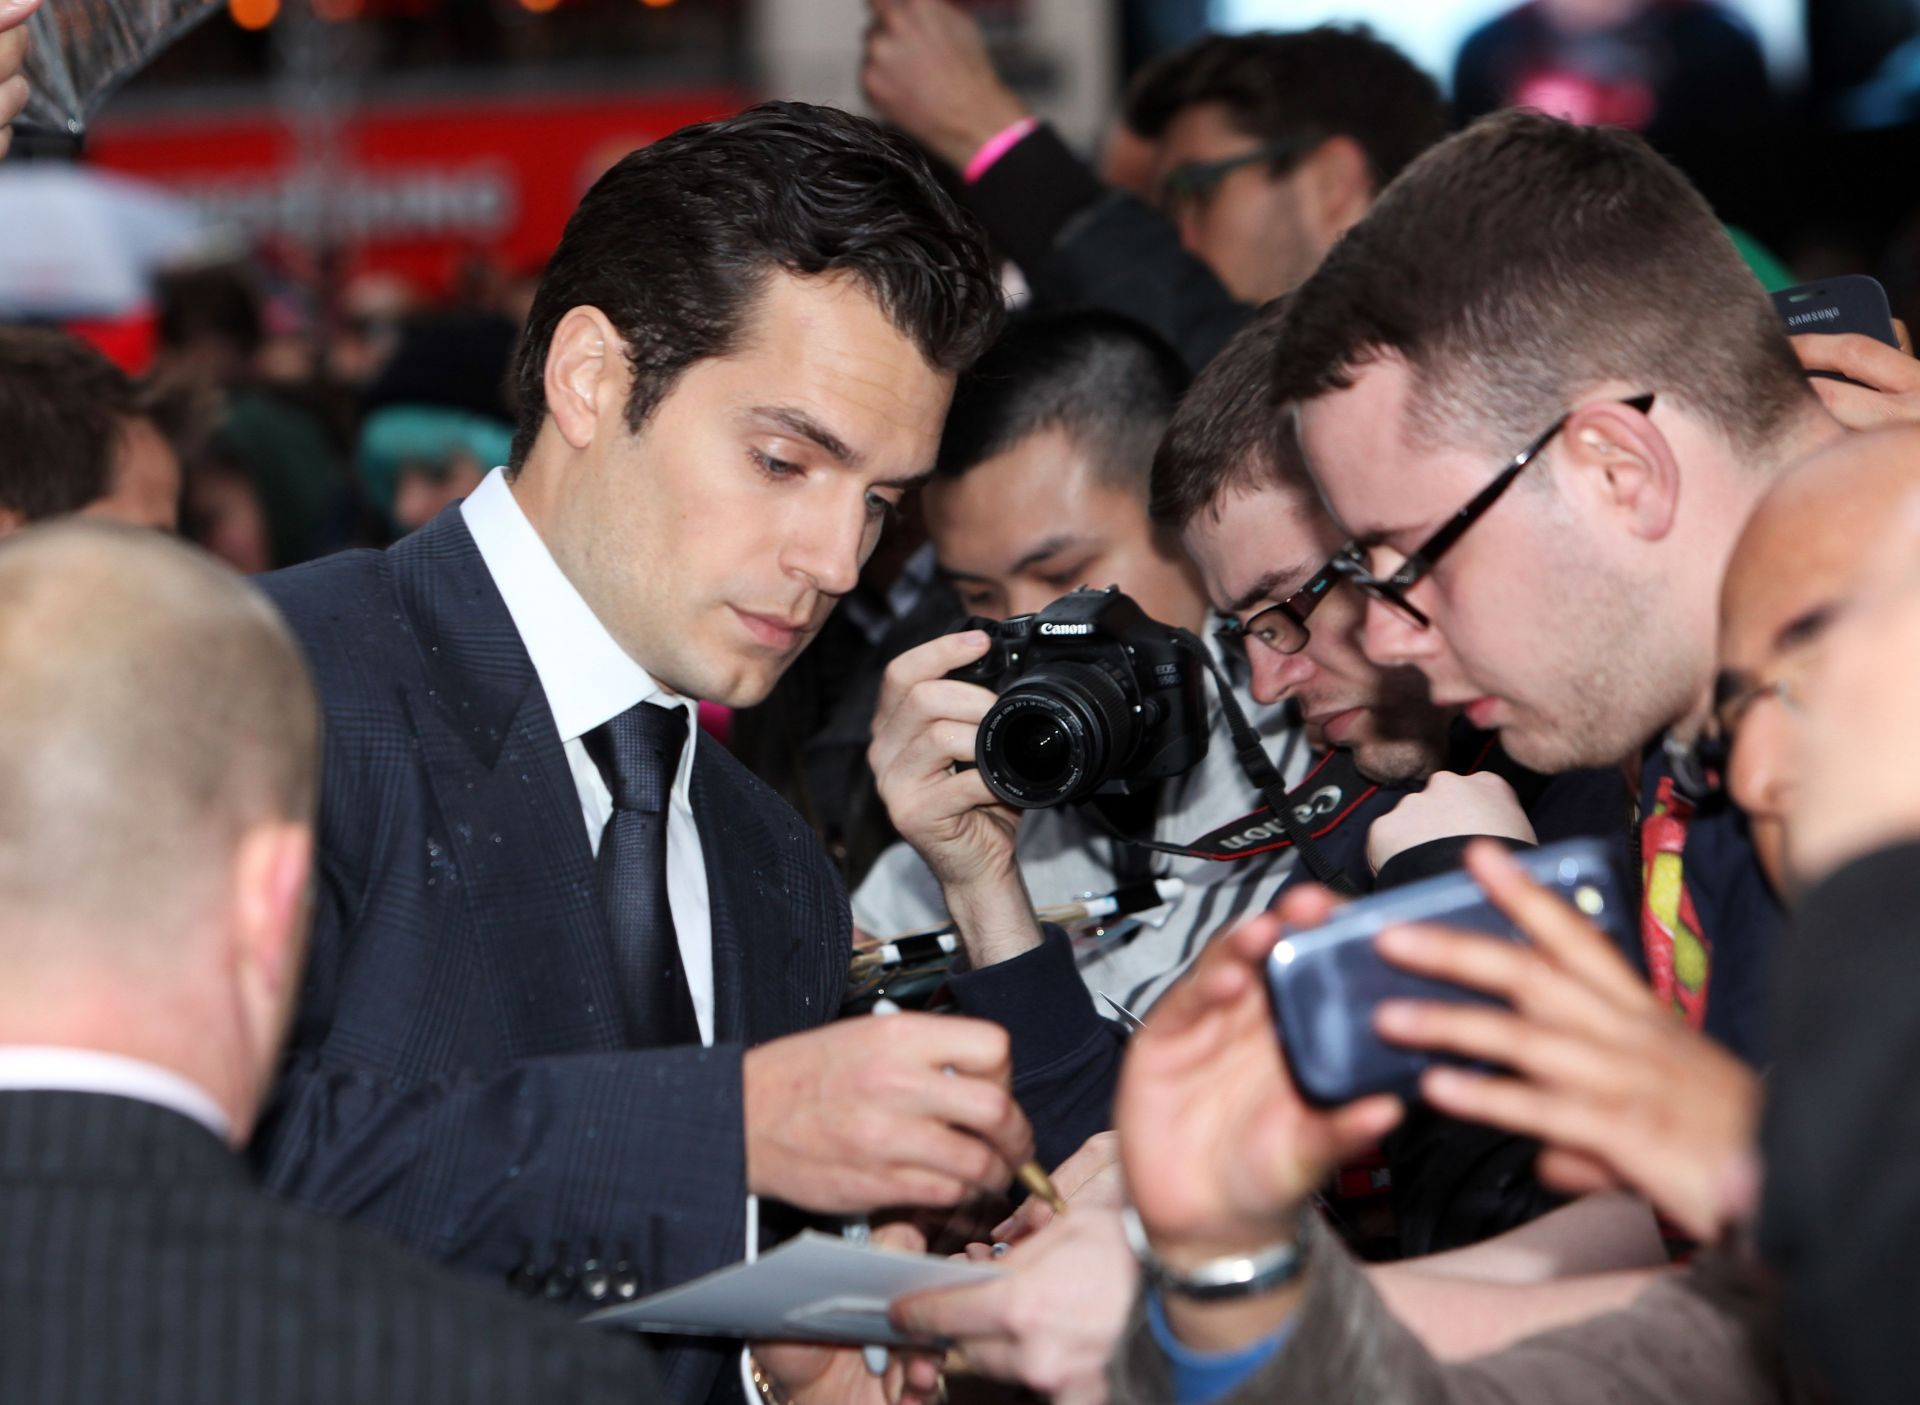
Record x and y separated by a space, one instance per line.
1308 85
675 243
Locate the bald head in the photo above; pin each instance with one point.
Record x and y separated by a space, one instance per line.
1798 560
153 710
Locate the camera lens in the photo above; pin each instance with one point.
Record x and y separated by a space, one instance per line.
1056 736
1039 749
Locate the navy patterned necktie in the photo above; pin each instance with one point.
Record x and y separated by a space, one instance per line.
638 753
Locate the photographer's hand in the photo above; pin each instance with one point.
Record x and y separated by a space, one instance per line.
923 726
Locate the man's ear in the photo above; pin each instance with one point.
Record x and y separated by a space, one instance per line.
11 521
271 913
1335 186
586 372
1618 455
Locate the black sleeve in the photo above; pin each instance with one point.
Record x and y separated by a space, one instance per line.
1066 1056
1841 1212
1082 245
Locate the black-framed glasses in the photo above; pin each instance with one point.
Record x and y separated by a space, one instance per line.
1195 181
1283 627
1419 563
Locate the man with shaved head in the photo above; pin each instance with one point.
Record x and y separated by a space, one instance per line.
159 748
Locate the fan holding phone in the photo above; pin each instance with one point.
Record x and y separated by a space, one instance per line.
1624 1092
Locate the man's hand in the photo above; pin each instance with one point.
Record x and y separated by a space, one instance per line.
1602 1073
1089 1179
13 62
827 1375
1219 1149
1052 1320
909 1109
1860 750
923 726
1451 805
926 71
1889 389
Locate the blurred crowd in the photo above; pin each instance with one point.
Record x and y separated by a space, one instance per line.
473 770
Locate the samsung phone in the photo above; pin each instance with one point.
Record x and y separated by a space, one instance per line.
1326 981
1852 302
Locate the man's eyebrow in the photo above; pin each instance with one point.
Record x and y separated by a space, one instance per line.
1380 536
1805 627
799 422
950 574
1267 587
1043 551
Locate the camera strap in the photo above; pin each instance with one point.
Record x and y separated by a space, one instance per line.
1286 819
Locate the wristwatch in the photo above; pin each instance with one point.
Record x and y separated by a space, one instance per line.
1234 1276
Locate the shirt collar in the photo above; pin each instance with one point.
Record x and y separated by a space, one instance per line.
47 1068
587 677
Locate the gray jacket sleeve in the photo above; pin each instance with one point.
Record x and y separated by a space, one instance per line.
1703 1337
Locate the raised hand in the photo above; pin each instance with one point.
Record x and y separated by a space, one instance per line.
1219 1149
1889 389
925 69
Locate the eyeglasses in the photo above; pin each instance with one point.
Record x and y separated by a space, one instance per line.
1701 767
1419 563
1195 182
1283 627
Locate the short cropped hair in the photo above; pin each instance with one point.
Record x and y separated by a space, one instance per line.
1307 85
675 243
1526 260
1228 432
153 707
1105 380
64 409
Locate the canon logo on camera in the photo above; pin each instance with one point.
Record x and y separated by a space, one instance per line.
1066 629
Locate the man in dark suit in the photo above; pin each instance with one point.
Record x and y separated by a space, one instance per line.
158 758
571 959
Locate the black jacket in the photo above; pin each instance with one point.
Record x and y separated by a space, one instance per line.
1841 1211
1082 245
459 1074
142 1265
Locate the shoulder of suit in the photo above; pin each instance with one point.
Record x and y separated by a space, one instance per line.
741 793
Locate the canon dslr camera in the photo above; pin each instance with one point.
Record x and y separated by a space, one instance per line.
1094 696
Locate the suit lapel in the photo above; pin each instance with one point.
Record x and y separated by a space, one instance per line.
513 836
779 938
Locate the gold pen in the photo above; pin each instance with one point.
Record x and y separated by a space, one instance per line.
1039 1183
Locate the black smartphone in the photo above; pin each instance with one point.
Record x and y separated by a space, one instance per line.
1326 981
1852 302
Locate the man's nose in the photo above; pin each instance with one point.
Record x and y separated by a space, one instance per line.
1760 772
829 547
1275 675
1388 637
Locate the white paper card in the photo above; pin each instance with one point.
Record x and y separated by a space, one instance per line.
814 1288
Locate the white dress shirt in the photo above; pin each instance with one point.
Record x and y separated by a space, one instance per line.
589 680
48 1068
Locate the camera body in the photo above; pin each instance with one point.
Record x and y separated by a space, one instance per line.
1094 697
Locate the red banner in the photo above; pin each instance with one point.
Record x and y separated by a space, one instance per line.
419 186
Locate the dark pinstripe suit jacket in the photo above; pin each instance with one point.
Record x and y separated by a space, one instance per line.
142 1266
459 1073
